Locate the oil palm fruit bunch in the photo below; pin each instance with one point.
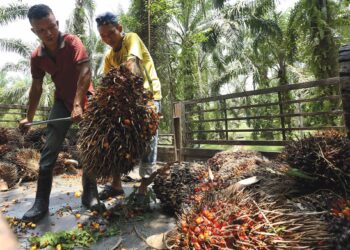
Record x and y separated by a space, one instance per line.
175 187
4 149
8 172
35 138
27 162
246 221
15 138
231 166
322 160
118 125
3 135
226 158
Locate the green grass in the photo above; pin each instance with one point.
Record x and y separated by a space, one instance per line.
254 148
264 148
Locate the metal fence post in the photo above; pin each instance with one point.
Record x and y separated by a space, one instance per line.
281 109
344 73
178 116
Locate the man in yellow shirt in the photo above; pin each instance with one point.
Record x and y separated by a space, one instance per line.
128 49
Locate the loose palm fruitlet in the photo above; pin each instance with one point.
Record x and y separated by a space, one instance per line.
118 125
324 157
175 186
243 221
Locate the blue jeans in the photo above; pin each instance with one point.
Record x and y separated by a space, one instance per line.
55 134
150 159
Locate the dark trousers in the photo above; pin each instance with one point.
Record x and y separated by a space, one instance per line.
55 134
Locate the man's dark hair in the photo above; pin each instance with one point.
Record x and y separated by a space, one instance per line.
106 18
39 11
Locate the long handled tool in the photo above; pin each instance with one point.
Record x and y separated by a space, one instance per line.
49 121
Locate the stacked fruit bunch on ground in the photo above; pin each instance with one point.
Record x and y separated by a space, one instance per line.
176 187
230 166
246 220
298 201
322 162
118 126
186 182
324 159
19 156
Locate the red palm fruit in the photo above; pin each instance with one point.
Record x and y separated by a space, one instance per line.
197 230
201 238
196 246
126 122
199 220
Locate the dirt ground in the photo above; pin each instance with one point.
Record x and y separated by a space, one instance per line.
17 201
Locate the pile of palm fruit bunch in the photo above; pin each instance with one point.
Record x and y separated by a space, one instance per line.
322 162
11 140
322 159
230 166
8 174
339 223
19 156
273 212
176 186
26 161
246 220
118 125
228 157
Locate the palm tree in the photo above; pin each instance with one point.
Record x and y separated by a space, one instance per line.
81 24
317 25
9 14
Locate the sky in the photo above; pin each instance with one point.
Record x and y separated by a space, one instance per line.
62 10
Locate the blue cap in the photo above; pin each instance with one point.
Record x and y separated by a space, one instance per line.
106 18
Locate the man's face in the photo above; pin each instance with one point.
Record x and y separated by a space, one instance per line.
46 29
111 35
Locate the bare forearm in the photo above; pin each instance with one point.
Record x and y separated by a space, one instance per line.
34 99
82 86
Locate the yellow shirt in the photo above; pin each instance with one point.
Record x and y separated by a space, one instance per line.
133 46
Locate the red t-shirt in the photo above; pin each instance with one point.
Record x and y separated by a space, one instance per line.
61 67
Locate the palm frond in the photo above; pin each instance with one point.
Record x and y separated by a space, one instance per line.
15 45
21 66
13 12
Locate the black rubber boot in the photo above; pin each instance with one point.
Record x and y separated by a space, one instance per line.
41 204
89 197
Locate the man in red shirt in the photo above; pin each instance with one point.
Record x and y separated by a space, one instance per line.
64 57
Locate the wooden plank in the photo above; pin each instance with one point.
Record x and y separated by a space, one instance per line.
12 113
332 113
240 142
266 129
235 107
17 106
319 83
177 110
200 152
166 154
9 121
316 99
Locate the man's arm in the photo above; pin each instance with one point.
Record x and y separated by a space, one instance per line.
82 88
34 97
